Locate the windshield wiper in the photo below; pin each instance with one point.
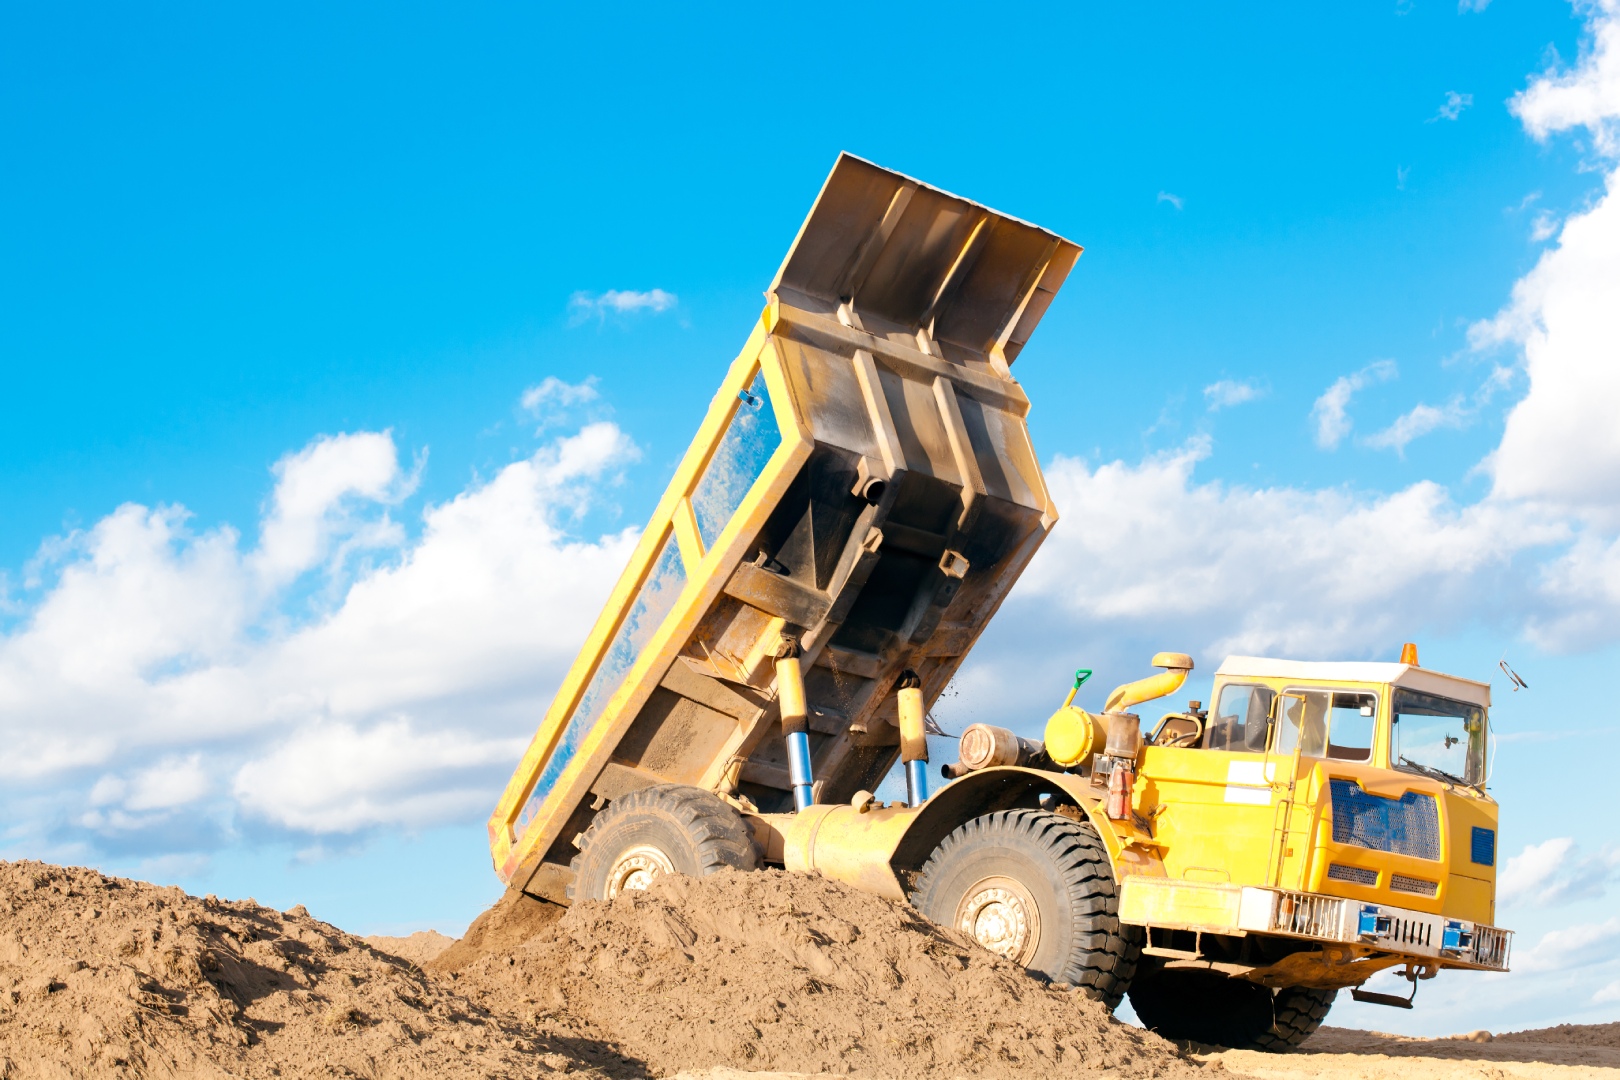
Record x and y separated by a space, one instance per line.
1437 774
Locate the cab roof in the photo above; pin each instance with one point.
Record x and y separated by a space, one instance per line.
1358 671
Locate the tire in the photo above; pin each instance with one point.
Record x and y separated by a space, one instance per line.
1221 1010
666 829
1036 888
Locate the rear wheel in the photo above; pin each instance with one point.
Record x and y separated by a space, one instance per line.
1208 1007
1036 888
668 829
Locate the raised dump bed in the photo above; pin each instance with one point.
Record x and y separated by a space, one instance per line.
862 490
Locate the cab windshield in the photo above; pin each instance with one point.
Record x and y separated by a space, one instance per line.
1438 737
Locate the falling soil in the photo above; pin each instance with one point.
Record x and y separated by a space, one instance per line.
510 922
777 971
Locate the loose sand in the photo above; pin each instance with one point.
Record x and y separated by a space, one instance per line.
774 971
734 976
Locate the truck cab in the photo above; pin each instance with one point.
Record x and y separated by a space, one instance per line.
1341 802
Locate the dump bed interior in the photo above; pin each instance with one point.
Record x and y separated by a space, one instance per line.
863 486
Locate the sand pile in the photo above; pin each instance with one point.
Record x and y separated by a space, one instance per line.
1566 1052
771 971
101 977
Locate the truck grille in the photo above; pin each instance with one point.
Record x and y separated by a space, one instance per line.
1402 883
1358 874
1409 825
1312 916
1491 946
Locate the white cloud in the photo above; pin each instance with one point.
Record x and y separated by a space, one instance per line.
1452 107
1472 5
172 782
1271 570
584 305
1611 992
1420 421
1330 411
553 402
1401 173
1584 582
1554 872
1588 95
553 392
1574 947
316 493
339 778
1561 445
1173 200
202 670
1543 227
1229 392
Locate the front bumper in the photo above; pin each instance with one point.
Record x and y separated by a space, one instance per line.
1246 909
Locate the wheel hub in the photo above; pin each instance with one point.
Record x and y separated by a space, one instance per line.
1001 916
636 869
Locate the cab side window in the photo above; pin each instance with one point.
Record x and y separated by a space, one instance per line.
1326 723
1350 726
1241 719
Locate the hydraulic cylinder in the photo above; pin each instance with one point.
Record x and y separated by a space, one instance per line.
795 727
913 739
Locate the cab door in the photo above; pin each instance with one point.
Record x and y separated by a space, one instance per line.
1212 806
1312 728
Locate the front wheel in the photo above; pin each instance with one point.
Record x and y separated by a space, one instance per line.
1208 1007
1038 889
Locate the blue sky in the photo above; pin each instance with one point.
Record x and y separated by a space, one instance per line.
297 537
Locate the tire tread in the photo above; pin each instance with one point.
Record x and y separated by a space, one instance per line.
1107 951
720 837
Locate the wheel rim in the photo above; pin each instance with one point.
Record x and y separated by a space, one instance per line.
636 869
1000 915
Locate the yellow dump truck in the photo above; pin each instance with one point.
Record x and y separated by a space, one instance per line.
854 508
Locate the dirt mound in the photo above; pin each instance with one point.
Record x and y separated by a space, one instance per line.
771 971
103 977
418 948
1569 1035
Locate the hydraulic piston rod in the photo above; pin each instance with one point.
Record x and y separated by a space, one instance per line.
795 727
913 739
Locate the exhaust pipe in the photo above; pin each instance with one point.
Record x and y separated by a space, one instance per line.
1154 686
